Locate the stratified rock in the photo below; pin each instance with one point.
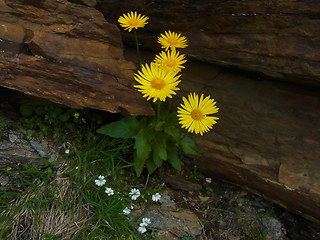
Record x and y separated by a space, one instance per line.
277 38
267 137
66 53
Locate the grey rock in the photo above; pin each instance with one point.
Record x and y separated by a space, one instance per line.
167 203
274 228
15 154
182 222
13 137
39 148
4 180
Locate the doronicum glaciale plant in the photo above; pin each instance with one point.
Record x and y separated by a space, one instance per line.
158 138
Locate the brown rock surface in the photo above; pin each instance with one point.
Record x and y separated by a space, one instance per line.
66 53
267 138
278 38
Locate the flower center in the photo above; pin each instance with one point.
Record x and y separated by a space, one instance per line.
158 83
133 22
196 114
172 41
170 62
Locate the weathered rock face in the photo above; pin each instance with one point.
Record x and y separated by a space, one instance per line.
66 53
277 38
267 138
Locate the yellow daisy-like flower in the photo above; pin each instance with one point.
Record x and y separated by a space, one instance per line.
171 59
193 113
172 40
131 20
157 82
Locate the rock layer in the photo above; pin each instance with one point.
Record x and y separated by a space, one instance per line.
267 137
66 53
277 38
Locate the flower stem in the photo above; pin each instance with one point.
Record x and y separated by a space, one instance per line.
137 46
158 110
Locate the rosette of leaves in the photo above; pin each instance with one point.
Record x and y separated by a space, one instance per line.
156 141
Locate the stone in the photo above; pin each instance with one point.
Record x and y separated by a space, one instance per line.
13 137
66 53
179 183
180 223
274 228
276 38
167 203
16 155
39 148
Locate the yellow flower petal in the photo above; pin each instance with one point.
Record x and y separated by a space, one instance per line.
172 40
193 113
131 21
157 82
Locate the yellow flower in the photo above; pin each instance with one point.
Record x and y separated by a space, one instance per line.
193 113
171 59
172 40
132 20
83 120
76 115
157 82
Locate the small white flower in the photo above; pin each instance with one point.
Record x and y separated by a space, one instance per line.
132 207
126 211
100 181
142 229
134 193
109 191
145 222
67 151
156 197
77 168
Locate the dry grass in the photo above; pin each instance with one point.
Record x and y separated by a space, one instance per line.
58 219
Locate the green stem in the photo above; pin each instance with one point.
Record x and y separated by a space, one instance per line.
137 46
158 110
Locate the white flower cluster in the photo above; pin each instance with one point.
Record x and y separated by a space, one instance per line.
143 225
100 181
134 194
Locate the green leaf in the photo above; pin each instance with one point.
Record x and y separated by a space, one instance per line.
64 117
174 132
137 166
188 146
151 166
40 110
26 110
125 128
159 146
143 149
157 160
173 157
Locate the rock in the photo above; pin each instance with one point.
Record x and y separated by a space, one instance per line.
274 228
181 184
66 53
15 155
179 223
39 148
12 138
276 38
167 203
